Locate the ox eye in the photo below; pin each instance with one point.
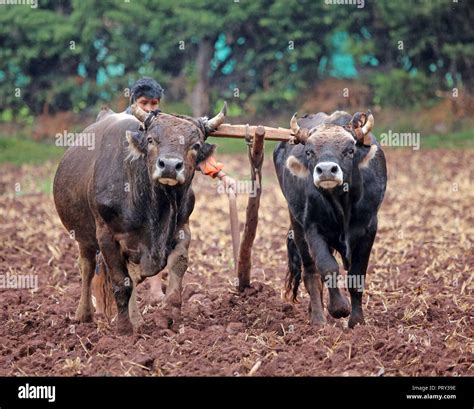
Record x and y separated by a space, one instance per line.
149 139
309 153
350 152
196 146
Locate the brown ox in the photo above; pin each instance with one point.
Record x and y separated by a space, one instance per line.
130 198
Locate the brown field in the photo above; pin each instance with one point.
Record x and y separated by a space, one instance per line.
418 299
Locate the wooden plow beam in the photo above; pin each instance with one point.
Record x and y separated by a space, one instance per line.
255 137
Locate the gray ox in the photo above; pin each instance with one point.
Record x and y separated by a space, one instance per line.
334 179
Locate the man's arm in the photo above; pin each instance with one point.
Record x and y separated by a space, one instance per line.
212 168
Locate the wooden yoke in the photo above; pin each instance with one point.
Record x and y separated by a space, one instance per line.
239 132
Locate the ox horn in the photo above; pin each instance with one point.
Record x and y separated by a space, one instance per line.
139 113
214 123
295 128
300 135
369 124
362 123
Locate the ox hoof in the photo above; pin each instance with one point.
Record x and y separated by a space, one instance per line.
124 327
339 307
169 317
155 298
137 322
163 322
356 319
83 315
317 319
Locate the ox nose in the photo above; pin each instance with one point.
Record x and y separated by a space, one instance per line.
327 175
327 169
170 164
169 170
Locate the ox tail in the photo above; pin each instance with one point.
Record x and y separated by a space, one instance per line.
293 276
102 289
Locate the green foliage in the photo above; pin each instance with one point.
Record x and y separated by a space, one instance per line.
437 39
73 54
401 89
459 140
21 150
236 146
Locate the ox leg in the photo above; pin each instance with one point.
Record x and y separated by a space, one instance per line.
356 276
311 279
327 267
87 263
314 286
177 265
122 284
156 294
133 309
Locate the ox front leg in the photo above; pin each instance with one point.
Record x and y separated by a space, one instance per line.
327 267
312 280
314 286
156 294
177 265
122 284
356 276
133 309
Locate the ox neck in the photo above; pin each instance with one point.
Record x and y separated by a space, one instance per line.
340 203
163 217
153 210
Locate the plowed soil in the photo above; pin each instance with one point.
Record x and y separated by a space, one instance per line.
418 300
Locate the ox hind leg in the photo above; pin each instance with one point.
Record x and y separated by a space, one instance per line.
311 279
356 276
177 265
87 262
122 284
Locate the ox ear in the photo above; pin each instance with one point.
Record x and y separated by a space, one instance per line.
205 151
136 144
296 167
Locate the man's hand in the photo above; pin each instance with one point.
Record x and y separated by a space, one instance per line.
229 183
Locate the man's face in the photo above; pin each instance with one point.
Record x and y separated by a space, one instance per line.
148 104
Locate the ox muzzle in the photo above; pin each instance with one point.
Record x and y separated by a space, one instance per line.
169 170
327 175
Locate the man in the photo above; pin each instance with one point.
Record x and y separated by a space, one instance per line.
147 93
